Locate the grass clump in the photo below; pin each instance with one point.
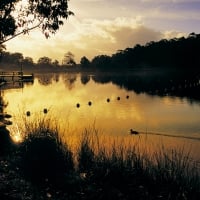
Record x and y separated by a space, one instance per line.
44 157
104 167
127 172
85 154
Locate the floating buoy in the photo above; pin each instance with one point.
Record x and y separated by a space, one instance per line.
45 111
89 103
77 105
28 113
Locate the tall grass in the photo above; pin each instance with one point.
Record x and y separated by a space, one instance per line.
108 164
44 155
165 174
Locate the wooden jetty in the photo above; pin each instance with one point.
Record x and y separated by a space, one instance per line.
15 76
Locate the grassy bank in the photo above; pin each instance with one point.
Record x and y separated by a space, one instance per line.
43 166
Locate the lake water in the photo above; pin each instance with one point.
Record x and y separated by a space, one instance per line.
114 110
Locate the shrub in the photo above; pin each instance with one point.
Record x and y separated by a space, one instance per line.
85 153
44 156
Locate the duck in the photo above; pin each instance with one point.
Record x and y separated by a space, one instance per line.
132 132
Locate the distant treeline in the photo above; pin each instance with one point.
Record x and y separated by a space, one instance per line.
177 52
173 53
13 61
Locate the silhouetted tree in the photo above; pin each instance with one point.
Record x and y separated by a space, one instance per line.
177 52
69 59
84 62
17 57
102 62
46 61
19 17
28 61
2 48
55 63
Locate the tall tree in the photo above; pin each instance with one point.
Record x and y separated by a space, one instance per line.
21 16
84 62
69 59
46 61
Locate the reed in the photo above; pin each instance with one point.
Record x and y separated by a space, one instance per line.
165 174
44 156
106 164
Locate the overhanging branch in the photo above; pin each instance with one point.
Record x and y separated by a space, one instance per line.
20 33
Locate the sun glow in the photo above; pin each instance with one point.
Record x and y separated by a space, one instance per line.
16 135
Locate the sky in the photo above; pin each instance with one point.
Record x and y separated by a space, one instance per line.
103 27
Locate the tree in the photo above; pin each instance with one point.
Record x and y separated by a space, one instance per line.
44 61
17 57
101 61
19 17
28 61
69 59
55 63
84 62
2 48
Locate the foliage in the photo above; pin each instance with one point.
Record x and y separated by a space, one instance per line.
44 61
43 154
102 61
68 59
107 168
84 62
19 17
85 153
27 61
176 52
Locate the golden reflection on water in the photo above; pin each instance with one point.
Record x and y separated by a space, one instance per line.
141 112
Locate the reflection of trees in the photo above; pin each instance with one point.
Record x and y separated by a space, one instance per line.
3 104
102 78
69 80
183 84
48 79
85 79
45 79
5 140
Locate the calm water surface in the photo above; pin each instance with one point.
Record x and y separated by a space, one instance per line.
170 119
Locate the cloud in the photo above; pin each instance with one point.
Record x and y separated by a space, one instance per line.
89 37
95 37
173 34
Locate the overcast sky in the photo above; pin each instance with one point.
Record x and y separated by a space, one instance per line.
103 27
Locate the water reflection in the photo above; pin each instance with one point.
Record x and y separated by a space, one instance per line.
60 95
164 84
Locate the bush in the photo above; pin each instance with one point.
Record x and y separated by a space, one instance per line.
44 156
85 154
6 142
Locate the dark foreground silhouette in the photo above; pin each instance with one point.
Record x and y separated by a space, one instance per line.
42 167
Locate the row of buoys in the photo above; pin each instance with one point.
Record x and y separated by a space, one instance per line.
45 111
108 100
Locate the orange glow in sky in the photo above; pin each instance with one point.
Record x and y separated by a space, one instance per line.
103 27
